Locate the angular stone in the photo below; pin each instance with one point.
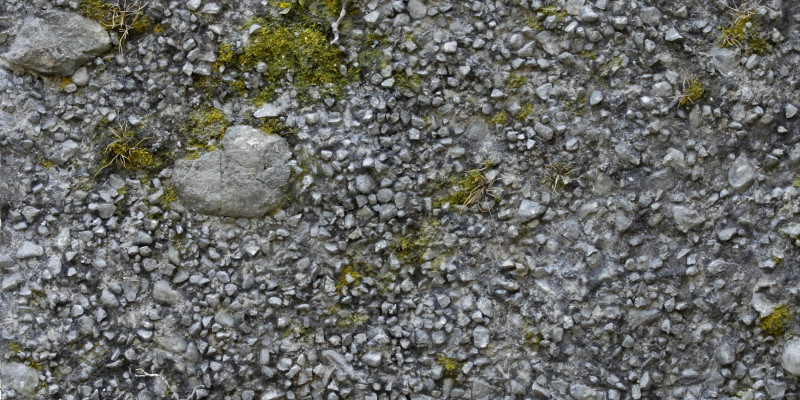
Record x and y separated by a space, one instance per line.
57 42
529 210
582 392
164 293
372 359
741 174
248 178
481 337
29 250
686 218
417 9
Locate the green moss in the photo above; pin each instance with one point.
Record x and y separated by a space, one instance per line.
451 367
126 17
530 336
411 248
692 92
796 181
410 83
352 274
500 118
516 81
274 126
559 13
204 129
467 189
45 163
744 32
777 322
224 54
576 106
127 151
524 112
300 50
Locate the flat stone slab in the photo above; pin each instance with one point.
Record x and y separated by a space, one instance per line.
247 178
57 43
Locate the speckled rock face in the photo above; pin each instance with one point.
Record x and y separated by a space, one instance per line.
57 43
248 177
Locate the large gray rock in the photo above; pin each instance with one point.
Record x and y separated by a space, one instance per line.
790 359
57 43
19 377
247 178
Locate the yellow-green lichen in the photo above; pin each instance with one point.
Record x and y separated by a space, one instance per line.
224 54
451 367
45 163
516 81
530 336
169 197
777 322
524 112
500 118
275 126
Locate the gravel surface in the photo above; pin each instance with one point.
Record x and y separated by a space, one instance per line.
391 199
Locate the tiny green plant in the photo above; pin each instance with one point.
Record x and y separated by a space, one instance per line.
125 150
691 92
471 188
743 31
557 175
125 17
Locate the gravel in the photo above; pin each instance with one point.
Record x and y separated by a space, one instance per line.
524 199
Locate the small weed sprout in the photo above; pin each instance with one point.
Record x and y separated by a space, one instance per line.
692 91
128 17
557 175
471 188
125 17
742 31
126 151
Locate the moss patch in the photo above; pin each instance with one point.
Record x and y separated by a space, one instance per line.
128 151
299 53
451 367
778 322
693 90
744 32
204 129
468 188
